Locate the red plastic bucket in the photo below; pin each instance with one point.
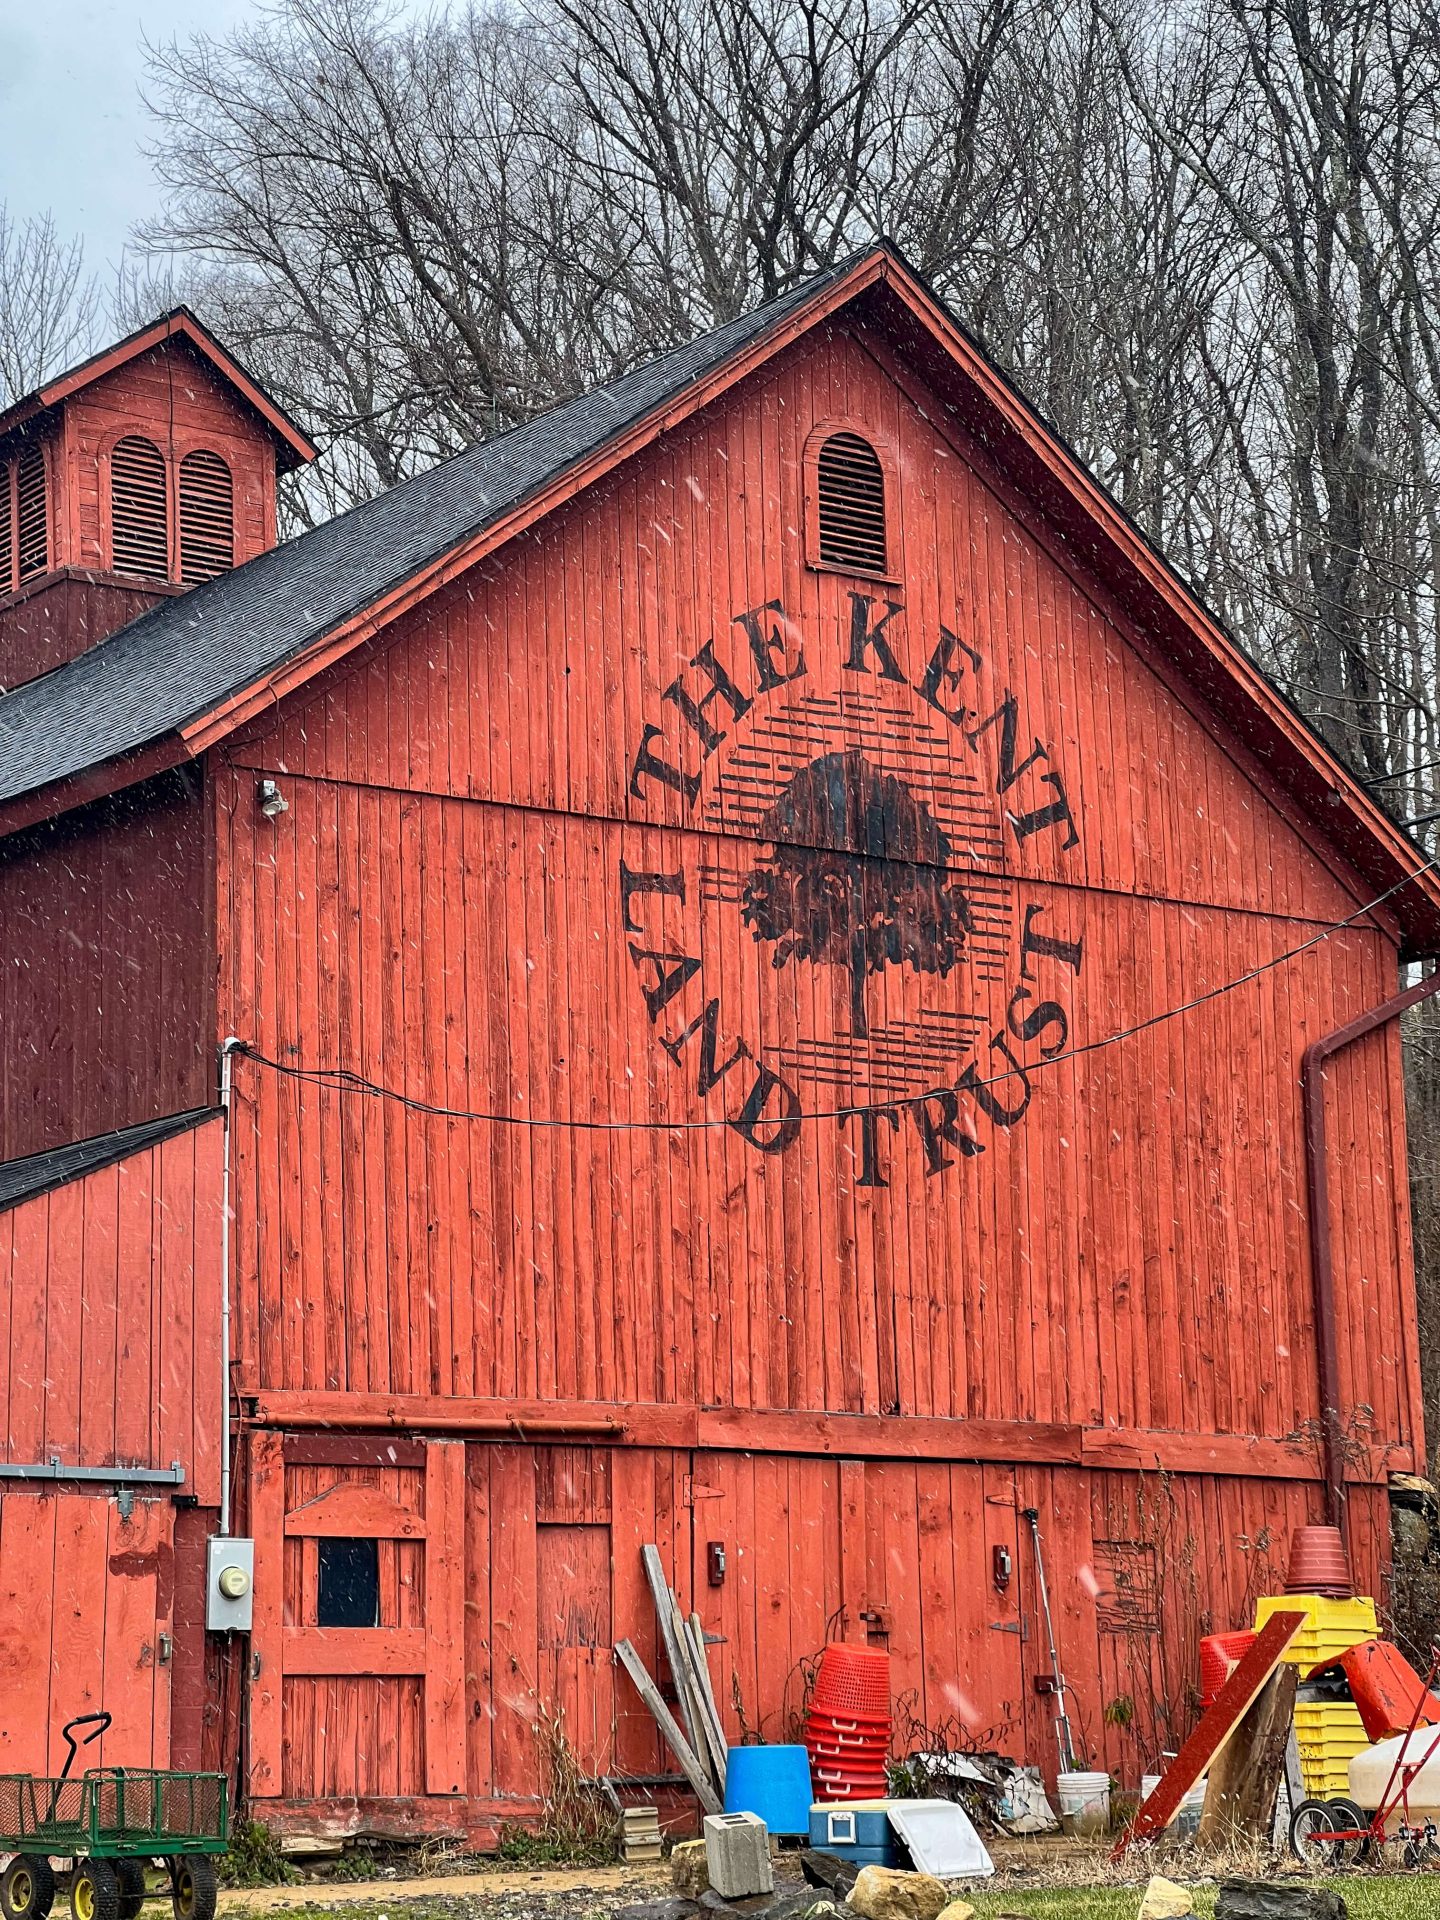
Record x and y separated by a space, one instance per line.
853 1681
1219 1652
1318 1564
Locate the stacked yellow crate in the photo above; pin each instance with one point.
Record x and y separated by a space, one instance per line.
1329 1733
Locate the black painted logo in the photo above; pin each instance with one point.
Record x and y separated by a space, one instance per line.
852 941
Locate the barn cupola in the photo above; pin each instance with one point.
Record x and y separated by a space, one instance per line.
142 473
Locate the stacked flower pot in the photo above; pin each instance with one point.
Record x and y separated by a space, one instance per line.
847 1730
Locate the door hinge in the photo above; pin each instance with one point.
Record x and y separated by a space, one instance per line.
166 1647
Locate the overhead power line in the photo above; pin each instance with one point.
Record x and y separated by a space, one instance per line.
345 1080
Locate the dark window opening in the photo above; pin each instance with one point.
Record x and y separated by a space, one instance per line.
207 517
850 484
349 1583
139 524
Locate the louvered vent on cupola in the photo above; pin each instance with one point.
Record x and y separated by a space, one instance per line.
207 517
32 536
850 492
139 516
24 519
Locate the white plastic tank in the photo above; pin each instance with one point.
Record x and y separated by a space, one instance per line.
1371 1771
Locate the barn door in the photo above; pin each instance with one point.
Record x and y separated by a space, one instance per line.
938 1599
86 1590
358 1642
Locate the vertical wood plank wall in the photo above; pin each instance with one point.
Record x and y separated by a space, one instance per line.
110 1315
106 1003
440 909
1125 1248
109 1351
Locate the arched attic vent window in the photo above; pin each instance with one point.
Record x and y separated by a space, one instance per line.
139 529
850 492
207 517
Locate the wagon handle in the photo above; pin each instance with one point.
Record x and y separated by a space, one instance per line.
99 1721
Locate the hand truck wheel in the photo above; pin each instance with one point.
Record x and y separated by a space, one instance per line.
27 1887
131 1875
192 1886
94 1890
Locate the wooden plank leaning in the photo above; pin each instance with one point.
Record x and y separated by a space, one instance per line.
690 1765
665 1618
709 1710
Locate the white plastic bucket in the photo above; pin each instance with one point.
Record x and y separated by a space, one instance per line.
1148 1784
1084 1803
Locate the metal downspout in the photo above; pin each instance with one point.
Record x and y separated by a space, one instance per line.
227 1057
1322 1262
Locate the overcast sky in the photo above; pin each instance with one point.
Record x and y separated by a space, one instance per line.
71 122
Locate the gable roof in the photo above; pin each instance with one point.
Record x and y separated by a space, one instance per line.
185 656
293 448
37 1173
188 672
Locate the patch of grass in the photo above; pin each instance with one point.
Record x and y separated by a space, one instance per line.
254 1859
553 1846
1414 1896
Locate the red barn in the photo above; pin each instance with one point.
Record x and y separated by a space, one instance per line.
729 968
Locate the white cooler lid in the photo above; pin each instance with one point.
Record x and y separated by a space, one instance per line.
941 1838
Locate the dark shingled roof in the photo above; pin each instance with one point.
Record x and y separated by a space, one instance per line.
189 654
38 1172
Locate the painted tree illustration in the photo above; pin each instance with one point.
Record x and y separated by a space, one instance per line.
856 878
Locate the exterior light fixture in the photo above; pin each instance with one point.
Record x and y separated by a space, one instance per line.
272 801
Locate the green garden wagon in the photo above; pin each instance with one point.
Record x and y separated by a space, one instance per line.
109 1822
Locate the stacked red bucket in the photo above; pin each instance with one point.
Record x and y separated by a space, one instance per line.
1220 1654
847 1730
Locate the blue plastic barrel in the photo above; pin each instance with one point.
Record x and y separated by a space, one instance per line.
773 1782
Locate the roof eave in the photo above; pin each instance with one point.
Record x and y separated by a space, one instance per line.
294 448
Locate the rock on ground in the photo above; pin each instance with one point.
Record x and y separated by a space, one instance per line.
689 1873
958 1910
889 1893
1165 1900
1274 1900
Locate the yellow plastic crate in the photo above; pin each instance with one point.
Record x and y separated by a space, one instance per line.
1328 1733
1330 1625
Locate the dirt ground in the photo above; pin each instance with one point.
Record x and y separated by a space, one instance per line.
1034 1881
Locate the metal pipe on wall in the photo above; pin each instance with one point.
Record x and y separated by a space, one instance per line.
1322 1259
227 1074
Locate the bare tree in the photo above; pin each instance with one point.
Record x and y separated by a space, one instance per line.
1205 240
48 303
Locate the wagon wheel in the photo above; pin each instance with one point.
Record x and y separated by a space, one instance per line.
1310 1830
192 1886
27 1887
131 1875
1346 1816
94 1890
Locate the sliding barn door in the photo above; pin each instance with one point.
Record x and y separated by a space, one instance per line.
86 1589
358 1642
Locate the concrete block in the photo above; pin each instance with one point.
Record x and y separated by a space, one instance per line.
737 1854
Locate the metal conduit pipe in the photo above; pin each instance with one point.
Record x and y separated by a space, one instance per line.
1322 1259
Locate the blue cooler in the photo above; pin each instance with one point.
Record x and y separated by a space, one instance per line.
772 1783
855 1830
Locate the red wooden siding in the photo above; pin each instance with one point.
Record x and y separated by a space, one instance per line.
106 996
110 1316
532 840
179 401
49 624
894 1552
85 1605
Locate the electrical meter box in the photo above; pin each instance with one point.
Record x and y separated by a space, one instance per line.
229 1584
